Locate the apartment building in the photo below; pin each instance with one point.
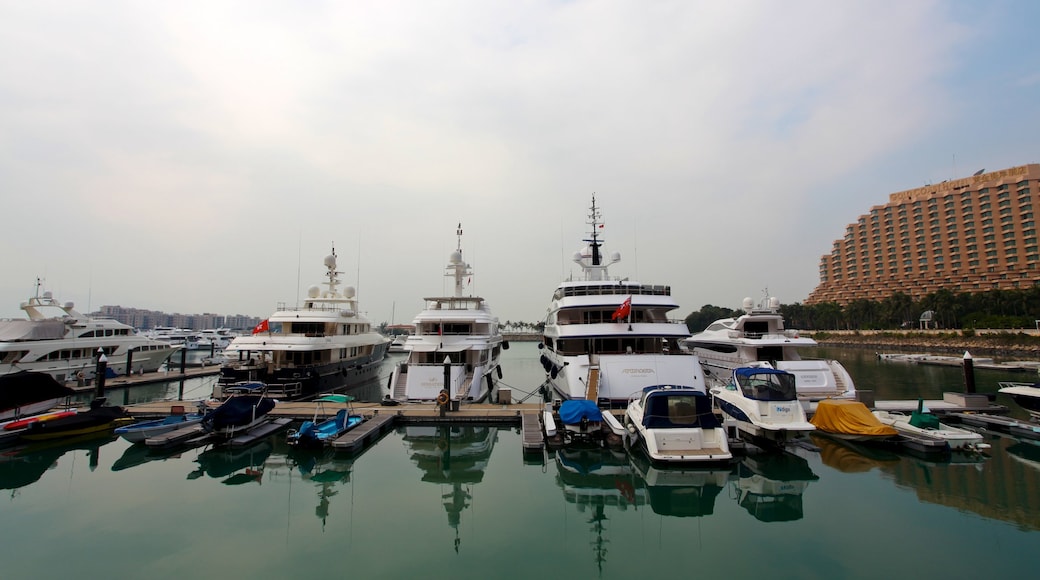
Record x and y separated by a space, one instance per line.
967 235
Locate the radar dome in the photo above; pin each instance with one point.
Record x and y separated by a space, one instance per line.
348 291
615 257
70 305
577 256
774 302
47 295
747 304
330 261
456 257
313 291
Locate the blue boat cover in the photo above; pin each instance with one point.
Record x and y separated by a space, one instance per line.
573 411
751 371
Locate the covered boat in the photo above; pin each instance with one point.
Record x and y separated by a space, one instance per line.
238 413
852 420
27 393
98 418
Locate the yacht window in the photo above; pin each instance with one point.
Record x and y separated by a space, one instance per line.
768 386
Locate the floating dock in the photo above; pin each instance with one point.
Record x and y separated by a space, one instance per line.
1015 427
367 432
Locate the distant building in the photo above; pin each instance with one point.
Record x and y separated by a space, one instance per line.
147 319
968 235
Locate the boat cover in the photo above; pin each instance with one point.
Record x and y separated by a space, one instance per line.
848 417
238 410
573 411
15 330
23 388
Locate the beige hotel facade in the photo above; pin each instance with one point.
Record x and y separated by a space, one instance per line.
967 235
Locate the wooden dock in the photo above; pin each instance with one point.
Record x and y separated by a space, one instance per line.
365 433
253 435
148 378
534 438
1015 427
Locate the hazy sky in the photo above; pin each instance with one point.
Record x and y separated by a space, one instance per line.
204 156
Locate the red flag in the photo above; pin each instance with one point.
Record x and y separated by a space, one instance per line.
623 310
440 329
262 327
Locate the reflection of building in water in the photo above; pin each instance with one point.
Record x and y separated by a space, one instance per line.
681 491
1005 490
770 485
235 465
453 456
594 479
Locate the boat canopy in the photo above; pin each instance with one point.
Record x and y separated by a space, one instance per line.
16 330
677 408
334 398
22 388
766 384
848 417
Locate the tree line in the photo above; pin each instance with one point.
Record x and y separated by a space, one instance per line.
948 310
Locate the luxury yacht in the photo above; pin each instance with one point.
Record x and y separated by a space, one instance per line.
323 346
455 332
607 338
62 342
758 338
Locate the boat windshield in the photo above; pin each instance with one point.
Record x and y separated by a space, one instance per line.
771 386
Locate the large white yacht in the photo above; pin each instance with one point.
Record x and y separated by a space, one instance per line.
457 331
758 338
62 342
325 345
607 338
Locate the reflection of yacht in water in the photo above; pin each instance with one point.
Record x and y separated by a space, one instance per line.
454 457
236 465
687 491
324 468
770 485
593 479
21 466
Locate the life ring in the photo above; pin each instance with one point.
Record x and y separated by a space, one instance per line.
79 375
442 398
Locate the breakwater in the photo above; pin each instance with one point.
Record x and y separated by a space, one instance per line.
1007 343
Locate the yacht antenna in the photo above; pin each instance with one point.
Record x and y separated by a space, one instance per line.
593 221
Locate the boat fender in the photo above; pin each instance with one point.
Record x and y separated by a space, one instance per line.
442 398
505 345
555 371
499 371
540 346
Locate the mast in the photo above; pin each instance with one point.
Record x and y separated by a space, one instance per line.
457 268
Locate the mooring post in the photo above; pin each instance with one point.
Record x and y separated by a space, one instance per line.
99 375
184 359
129 361
969 373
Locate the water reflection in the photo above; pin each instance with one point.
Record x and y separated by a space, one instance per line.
680 491
770 485
25 464
326 469
138 454
454 456
1027 454
232 465
851 457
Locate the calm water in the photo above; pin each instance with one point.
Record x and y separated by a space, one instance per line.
466 503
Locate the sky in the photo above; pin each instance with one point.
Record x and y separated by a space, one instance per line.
205 156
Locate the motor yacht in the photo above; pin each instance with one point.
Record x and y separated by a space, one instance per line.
606 338
1027 395
764 405
758 338
677 424
58 340
323 346
455 347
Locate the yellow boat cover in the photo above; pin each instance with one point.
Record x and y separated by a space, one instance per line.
848 417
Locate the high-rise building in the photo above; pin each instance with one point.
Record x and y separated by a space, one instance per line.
968 235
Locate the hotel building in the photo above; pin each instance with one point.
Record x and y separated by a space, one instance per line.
969 235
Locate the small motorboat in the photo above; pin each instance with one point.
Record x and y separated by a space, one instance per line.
764 403
25 422
675 423
238 413
922 431
850 420
1026 395
30 393
97 419
178 419
315 433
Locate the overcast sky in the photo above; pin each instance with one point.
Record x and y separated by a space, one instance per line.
205 156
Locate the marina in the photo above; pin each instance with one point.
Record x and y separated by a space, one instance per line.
465 486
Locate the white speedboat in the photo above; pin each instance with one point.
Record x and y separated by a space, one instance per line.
764 404
922 431
758 338
62 342
455 347
323 346
677 424
1027 395
607 338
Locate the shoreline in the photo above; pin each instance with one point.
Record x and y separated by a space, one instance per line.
1009 343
